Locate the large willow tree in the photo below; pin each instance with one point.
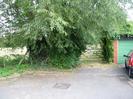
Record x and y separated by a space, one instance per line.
57 31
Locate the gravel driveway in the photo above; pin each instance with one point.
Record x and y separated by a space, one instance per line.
83 83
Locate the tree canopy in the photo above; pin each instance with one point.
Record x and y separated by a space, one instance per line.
59 30
127 28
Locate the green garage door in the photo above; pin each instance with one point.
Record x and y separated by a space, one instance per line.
124 46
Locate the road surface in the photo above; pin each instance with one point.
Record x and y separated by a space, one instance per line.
83 83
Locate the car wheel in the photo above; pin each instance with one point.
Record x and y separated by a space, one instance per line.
130 73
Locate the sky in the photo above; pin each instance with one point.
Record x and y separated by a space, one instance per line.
130 14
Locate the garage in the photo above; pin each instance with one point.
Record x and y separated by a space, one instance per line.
122 47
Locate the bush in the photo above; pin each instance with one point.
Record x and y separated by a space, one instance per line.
107 47
10 65
64 61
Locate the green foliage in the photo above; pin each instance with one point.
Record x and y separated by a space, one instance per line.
10 70
64 61
11 60
6 71
107 47
127 28
9 65
57 31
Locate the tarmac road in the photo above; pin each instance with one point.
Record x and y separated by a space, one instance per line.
84 83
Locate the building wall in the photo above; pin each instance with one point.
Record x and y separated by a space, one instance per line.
115 51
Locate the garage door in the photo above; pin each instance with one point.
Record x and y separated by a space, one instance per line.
124 46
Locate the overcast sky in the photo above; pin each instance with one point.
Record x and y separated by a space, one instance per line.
130 14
